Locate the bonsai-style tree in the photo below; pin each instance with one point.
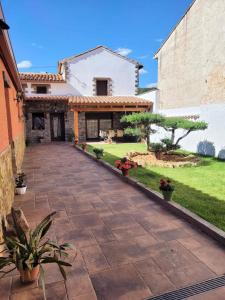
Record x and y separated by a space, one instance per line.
144 122
171 124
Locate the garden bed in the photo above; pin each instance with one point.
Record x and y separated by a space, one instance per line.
169 160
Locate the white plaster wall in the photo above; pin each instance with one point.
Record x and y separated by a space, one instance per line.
101 63
211 140
56 89
152 97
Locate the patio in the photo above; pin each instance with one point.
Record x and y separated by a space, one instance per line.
128 246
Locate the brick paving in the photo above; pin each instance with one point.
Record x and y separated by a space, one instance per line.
128 246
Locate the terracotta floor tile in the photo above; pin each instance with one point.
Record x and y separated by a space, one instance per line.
173 255
213 256
122 252
87 221
78 237
129 233
119 220
5 287
120 284
103 234
154 278
184 276
94 259
112 224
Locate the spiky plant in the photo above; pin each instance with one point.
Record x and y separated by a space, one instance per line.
27 251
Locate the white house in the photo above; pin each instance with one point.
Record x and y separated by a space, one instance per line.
191 74
88 95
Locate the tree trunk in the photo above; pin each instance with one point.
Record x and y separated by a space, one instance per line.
183 136
148 139
172 136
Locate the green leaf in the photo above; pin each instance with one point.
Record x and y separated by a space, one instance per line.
42 280
62 272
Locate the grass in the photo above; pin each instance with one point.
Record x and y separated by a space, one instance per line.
201 189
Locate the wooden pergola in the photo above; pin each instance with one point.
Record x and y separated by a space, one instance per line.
106 104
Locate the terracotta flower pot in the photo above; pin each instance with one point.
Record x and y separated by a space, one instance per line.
27 275
167 195
125 172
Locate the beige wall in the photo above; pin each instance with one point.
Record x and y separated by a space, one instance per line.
191 64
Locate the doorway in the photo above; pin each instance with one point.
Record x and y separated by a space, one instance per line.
57 127
97 122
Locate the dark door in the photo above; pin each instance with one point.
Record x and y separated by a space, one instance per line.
57 126
102 87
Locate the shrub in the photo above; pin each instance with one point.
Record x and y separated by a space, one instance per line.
99 152
157 147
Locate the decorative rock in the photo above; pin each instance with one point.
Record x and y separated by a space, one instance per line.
21 219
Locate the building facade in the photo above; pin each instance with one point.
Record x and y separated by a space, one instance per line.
88 96
191 74
11 121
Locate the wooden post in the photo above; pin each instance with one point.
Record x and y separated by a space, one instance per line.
76 125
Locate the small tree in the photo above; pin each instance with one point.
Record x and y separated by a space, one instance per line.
143 121
171 124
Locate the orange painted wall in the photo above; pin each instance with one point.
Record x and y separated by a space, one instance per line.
14 117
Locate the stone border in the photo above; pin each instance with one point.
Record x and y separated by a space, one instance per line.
203 225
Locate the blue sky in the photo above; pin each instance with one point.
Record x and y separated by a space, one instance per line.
44 31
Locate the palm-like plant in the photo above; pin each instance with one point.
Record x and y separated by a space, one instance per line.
29 252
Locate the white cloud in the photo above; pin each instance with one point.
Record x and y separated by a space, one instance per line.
142 56
159 40
143 71
123 51
37 45
24 64
151 85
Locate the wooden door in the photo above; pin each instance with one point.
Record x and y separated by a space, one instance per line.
57 127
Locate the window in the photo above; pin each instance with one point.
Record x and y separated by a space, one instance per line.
41 89
101 87
38 121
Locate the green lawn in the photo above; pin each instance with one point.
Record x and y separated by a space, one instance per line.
201 189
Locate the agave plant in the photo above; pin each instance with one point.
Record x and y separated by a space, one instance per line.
29 252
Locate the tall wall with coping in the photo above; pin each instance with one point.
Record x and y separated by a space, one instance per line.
191 63
207 142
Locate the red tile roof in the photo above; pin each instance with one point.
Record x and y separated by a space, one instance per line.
44 77
108 100
47 97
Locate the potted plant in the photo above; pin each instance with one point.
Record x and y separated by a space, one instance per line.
125 165
84 146
166 188
98 152
28 253
76 141
21 186
158 149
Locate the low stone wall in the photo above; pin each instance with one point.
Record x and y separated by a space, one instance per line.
11 160
6 181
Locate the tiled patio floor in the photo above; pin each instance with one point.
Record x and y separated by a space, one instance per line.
128 247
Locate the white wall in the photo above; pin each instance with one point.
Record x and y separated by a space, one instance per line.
152 97
101 63
212 140
56 89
